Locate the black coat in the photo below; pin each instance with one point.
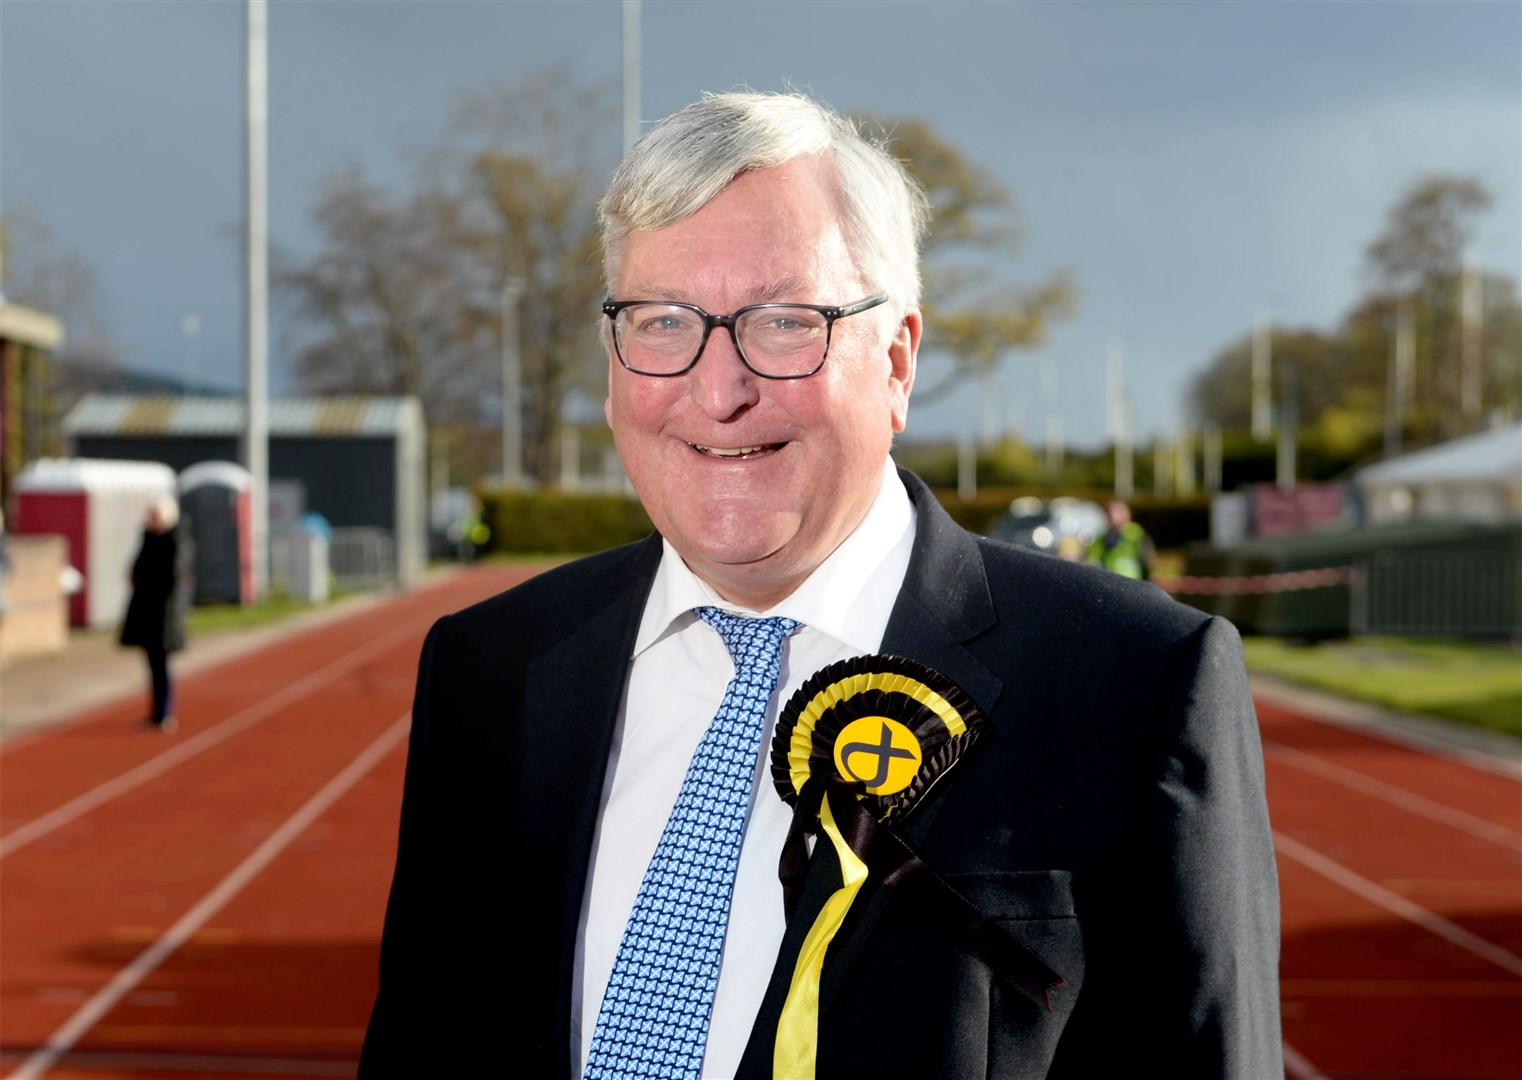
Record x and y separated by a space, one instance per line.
160 591
1114 822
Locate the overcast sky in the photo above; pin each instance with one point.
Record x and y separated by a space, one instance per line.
1190 163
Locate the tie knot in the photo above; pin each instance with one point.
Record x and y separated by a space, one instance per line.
750 641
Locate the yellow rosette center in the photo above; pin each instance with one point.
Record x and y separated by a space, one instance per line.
878 752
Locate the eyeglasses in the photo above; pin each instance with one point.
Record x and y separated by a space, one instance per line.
776 341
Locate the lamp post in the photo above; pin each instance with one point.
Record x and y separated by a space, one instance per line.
190 327
1262 385
631 72
255 449
512 387
1289 426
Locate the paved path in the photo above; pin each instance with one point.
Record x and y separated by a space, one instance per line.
94 670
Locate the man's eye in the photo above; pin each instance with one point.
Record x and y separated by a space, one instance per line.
661 324
790 322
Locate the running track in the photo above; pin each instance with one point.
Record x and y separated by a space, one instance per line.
208 906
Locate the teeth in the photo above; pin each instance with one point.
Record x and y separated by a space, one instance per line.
737 452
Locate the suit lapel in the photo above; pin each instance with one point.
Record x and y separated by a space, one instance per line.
944 602
570 710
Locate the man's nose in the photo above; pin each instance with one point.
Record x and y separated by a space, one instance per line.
720 382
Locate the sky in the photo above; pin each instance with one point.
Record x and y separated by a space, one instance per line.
1190 164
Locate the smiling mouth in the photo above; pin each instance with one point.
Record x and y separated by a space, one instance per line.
739 453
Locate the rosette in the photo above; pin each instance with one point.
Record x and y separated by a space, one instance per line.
856 749
887 726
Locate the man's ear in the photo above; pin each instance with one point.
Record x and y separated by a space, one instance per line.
607 402
903 352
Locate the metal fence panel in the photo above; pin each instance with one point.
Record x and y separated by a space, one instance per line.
362 558
1438 594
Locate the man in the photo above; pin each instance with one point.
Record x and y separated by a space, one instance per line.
1107 832
1124 547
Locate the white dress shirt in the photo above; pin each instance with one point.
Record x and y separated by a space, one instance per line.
677 678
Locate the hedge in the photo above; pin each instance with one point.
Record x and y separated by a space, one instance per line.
561 521
573 522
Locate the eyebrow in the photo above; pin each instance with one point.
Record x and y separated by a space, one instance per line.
782 290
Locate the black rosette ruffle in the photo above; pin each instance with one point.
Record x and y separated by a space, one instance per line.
902 690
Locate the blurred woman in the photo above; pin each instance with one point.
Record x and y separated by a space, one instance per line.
155 619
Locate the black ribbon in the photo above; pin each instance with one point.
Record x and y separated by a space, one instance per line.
893 863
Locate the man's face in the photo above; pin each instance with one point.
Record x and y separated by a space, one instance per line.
755 481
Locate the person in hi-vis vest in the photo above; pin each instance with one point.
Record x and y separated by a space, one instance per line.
1124 547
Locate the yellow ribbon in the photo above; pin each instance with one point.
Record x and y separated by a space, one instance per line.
797 1046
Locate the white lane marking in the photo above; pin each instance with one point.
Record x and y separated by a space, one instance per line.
1399 905
151 1064
1395 796
125 981
1429 736
1296 1065
82 804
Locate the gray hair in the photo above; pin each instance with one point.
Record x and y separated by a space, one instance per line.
691 156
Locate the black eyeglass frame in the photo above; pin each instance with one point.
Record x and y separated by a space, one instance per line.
831 313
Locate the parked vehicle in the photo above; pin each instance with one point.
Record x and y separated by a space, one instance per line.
1062 526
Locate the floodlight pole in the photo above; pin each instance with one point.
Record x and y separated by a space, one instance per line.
1471 322
255 448
1262 391
1398 384
190 328
1289 428
1125 467
631 72
512 387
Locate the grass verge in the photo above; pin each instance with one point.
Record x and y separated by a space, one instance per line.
214 617
1471 682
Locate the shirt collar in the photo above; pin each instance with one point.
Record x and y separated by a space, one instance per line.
849 596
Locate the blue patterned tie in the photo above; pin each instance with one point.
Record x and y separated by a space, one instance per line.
654 1018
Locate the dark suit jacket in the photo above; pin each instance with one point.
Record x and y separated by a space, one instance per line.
1114 822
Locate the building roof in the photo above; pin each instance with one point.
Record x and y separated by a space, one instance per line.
320 417
34 328
1487 456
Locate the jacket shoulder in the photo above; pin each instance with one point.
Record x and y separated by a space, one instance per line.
1059 593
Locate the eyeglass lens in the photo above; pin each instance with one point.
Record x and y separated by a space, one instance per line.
661 339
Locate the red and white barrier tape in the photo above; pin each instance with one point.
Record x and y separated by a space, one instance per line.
1289 581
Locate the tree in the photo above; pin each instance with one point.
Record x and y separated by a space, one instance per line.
391 298
1426 233
1416 274
1416 265
531 211
406 294
1305 361
43 273
973 314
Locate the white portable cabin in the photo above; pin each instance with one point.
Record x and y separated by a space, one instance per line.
100 507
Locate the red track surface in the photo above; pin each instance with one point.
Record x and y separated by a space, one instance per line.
215 912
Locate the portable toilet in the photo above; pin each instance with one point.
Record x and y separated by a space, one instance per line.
216 499
100 507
